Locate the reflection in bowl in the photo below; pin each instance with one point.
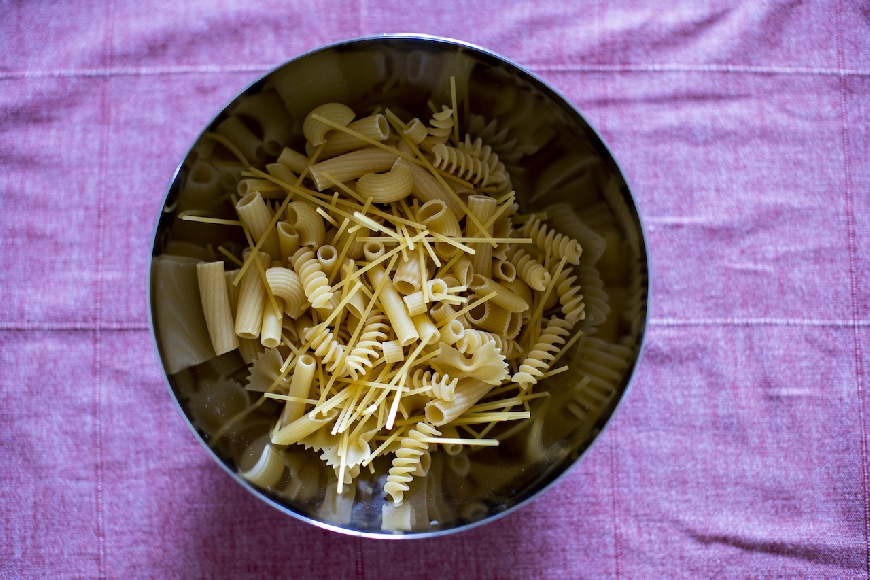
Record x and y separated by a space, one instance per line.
541 328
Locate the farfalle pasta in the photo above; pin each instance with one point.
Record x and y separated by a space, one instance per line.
390 301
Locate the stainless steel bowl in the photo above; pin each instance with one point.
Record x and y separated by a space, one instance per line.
556 160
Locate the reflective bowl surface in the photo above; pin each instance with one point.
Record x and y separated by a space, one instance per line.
558 163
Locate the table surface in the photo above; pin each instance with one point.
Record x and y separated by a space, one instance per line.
741 449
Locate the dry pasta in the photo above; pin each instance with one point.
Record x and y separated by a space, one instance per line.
409 307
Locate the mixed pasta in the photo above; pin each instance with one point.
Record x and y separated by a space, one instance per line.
390 300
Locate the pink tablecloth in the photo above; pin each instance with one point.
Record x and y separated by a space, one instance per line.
742 449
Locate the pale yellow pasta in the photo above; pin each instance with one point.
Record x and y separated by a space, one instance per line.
299 429
252 300
315 130
216 306
468 391
520 288
351 166
268 469
472 340
426 188
363 354
282 172
373 250
573 308
288 240
232 292
540 357
515 325
466 166
529 269
251 185
285 284
415 303
486 364
328 259
270 329
440 127
452 332
437 217
503 297
374 127
393 352
416 131
547 240
408 274
429 333
314 282
300 385
393 306
326 346
503 271
490 316
463 270
256 216
250 349
437 289
483 207
393 185
294 160
307 222
407 460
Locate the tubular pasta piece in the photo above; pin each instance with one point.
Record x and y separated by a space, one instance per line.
268 469
252 300
394 308
393 352
285 283
414 303
216 306
300 385
351 166
307 222
416 131
270 330
315 131
386 187
491 317
256 217
288 240
374 127
408 274
294 160
504 271
299 429
452 332
503 297
483 207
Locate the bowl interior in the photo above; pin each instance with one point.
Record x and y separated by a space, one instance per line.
558 164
